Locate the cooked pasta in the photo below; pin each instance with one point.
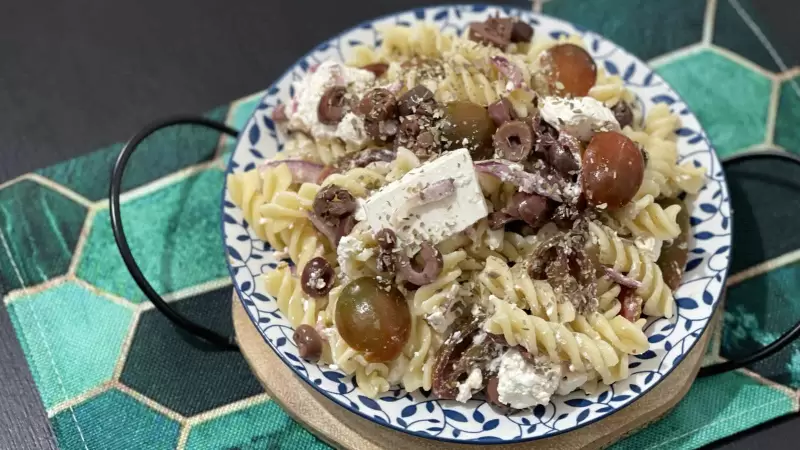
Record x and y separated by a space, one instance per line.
626 258
438 233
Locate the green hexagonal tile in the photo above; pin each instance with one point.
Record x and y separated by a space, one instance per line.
666 25
731 101
787 133
159 155
758 311
114 420
714 408
71 338
174 234
262 425
172 369
733 33
41 228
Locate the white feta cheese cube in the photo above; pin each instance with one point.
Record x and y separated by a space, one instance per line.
435 221
581 117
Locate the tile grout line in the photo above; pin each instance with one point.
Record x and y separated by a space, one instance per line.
16 294
77 252
229 409
764 267
742 61
669 57
772 112
77 400
154 405
126 346
43 338
767 382
789 74
183 437
709 20
63 190
113 298
157 184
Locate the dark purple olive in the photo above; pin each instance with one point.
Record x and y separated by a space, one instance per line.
569 69
417 100
494 31
533 209
333 201
521 32
373 318
675 254
386 239
377 105
502 111
332 105
431 266
565 154
308 341
318 277
492 396
513 141
613 170
623 113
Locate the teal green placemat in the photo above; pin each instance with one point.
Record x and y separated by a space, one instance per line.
114 374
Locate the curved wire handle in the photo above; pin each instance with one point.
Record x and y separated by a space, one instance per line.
181 321
794 332
229 342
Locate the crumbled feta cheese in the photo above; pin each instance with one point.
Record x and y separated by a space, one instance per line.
581 117
432 222
570 380
309 90
474 382
440 319
351 249
649 245
522 384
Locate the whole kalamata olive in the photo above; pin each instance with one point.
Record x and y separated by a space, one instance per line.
308 341
318 277
569 70
502 111
613 170
675 253
373 318
468 125
378 104
417 100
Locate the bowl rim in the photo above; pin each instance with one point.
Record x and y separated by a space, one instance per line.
510 10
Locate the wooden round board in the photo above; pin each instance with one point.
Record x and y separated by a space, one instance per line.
343 429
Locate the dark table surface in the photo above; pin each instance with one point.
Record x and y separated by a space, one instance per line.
78 75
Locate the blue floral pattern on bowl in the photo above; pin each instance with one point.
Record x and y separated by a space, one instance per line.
477 421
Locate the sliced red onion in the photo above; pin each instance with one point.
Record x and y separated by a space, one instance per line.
302 171
330 232
622 279
432 265
544 183
279 113
509 70
367 157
